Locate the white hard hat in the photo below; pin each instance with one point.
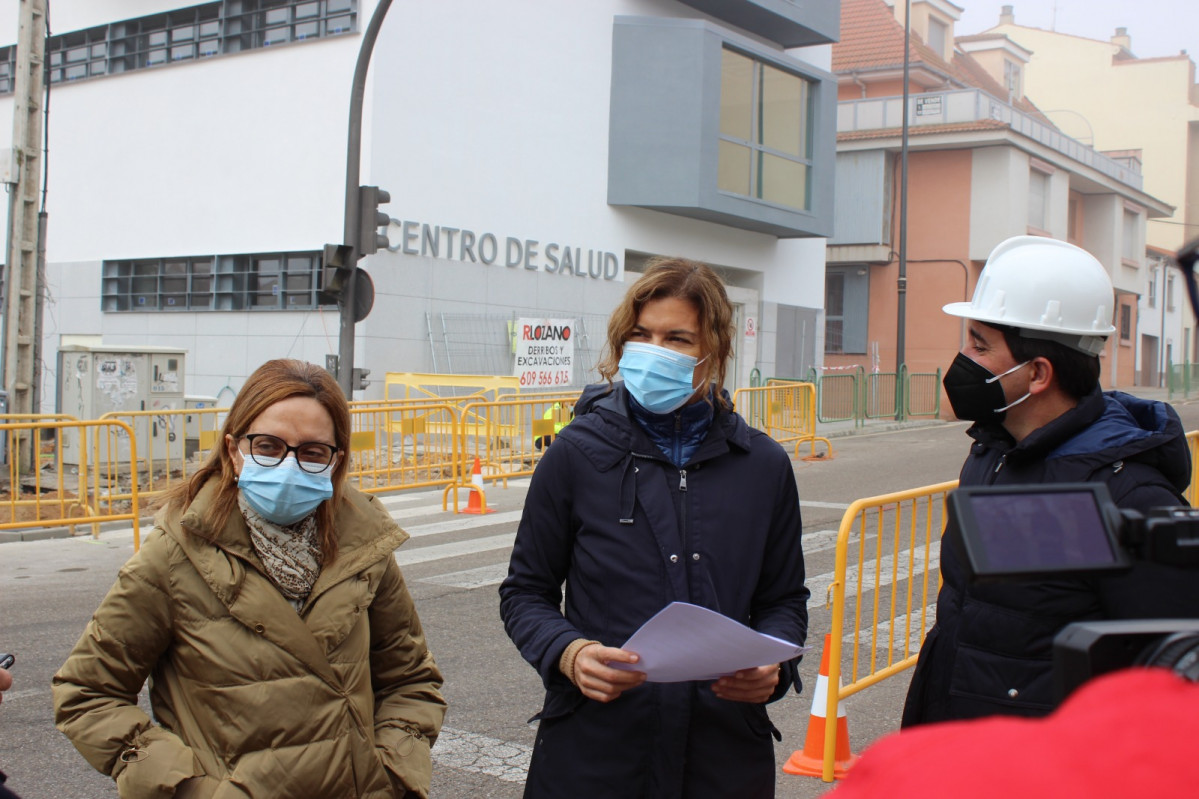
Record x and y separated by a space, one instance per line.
1047 289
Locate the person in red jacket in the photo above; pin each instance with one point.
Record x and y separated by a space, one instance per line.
1127 733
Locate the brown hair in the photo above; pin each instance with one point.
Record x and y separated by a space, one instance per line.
272 382
687 280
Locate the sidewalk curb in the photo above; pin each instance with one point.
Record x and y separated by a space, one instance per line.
64 531
881 427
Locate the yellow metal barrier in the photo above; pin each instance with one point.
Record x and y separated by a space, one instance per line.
172 443
898 540
1192 492
97 488
784 410
508 436
403 445
448 388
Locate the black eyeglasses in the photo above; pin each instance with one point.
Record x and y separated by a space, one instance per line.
312 456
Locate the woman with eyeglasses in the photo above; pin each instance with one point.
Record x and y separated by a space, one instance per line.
284 653
657 491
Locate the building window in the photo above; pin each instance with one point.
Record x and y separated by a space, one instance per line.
765 147
1169 291
834 309
1125 322
274 281
1011 77
1038 200
938 32
1151 296
1131 239
186 34
846 291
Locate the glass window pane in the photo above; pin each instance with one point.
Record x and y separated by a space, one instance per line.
276 16
156 57
337 5
75 72
307 30
275 36
157 38
834 294
1038 191
266 283
183 52
784 103
305 10
183 34
209 29
78 54
782 181
736 95
732 167
338 25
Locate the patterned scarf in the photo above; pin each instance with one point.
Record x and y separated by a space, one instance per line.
291 555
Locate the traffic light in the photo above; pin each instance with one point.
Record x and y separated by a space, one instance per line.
370 219
336 268
359 381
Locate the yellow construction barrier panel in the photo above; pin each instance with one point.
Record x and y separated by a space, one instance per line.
447 388
171 443
898 538
403 445
97 487
785 411
508 436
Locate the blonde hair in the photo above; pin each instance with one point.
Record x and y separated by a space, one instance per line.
272 382
686 280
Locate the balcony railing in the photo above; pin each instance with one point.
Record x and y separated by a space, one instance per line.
973 105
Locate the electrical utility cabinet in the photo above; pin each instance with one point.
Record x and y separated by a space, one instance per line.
107 379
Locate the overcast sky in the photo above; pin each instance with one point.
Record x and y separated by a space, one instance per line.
1157 27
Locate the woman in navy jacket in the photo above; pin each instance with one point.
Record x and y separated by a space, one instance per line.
656 492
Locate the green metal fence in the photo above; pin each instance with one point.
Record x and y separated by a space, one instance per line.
1183 379
853 395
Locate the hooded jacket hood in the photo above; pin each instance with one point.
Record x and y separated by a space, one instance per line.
1104 428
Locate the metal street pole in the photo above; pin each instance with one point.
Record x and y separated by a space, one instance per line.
902 283
353 212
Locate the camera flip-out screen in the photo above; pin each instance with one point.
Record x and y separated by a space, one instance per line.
1038 530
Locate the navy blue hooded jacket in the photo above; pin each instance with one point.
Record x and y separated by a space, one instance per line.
628 532
991 649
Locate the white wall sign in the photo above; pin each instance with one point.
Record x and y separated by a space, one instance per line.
460 244
545 352
751 327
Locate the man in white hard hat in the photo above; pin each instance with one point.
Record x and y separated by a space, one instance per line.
1029 380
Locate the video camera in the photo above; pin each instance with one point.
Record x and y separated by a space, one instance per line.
1074 529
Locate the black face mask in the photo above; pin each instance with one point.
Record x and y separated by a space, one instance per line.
975 393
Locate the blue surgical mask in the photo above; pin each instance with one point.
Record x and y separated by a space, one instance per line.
283 494
661 380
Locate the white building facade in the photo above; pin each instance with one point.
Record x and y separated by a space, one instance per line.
536 153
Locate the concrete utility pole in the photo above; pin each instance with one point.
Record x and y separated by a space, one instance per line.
22 279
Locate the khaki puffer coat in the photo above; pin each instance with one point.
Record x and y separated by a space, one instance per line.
339 700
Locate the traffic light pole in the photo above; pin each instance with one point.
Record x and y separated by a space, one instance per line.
353 211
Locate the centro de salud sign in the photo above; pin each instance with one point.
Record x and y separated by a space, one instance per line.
545 352
461 244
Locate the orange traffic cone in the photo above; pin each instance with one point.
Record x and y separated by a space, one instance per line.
810 761
477 502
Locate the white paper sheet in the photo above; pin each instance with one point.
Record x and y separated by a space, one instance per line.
686 642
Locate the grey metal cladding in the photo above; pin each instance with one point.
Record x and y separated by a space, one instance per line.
790 23
665 119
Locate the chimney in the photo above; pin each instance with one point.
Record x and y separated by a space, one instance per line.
1006 17
1122 39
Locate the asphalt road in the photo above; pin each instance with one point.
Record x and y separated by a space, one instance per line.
48 590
